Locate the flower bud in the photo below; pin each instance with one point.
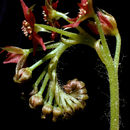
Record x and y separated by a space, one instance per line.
68 110
108 22
46 110
83 97
23 75
56 113
35 100
77 90
73 85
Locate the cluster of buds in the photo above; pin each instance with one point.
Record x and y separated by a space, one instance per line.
76 89
68 99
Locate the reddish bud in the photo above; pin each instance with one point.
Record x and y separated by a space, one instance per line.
35 100
108 22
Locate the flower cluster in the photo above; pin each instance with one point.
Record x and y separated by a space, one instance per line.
68 99
64 101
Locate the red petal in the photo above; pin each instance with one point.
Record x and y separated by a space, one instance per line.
55 4
93 27
83 4
2 51
12 58
73 19
38 40
25 9
45 9
29 16
73 25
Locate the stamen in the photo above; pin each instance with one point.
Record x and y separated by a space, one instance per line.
27 29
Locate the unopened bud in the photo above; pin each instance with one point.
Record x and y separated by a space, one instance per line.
46 110
56 113
83 97
76 89
35 100
23 75
68 110
108 22
73 85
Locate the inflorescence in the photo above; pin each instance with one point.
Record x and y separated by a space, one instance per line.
54 99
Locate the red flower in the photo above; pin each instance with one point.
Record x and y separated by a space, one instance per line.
85 11
50 17
28 27
14 54
18 56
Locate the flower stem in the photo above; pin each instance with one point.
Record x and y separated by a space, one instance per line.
117 53
114 97
48 56
112 69
103 39
44 84
35 85
65 17
60 31
52 46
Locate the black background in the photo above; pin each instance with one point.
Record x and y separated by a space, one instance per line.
78 62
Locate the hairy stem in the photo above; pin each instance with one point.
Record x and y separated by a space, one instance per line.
114 97
112 68
103 39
